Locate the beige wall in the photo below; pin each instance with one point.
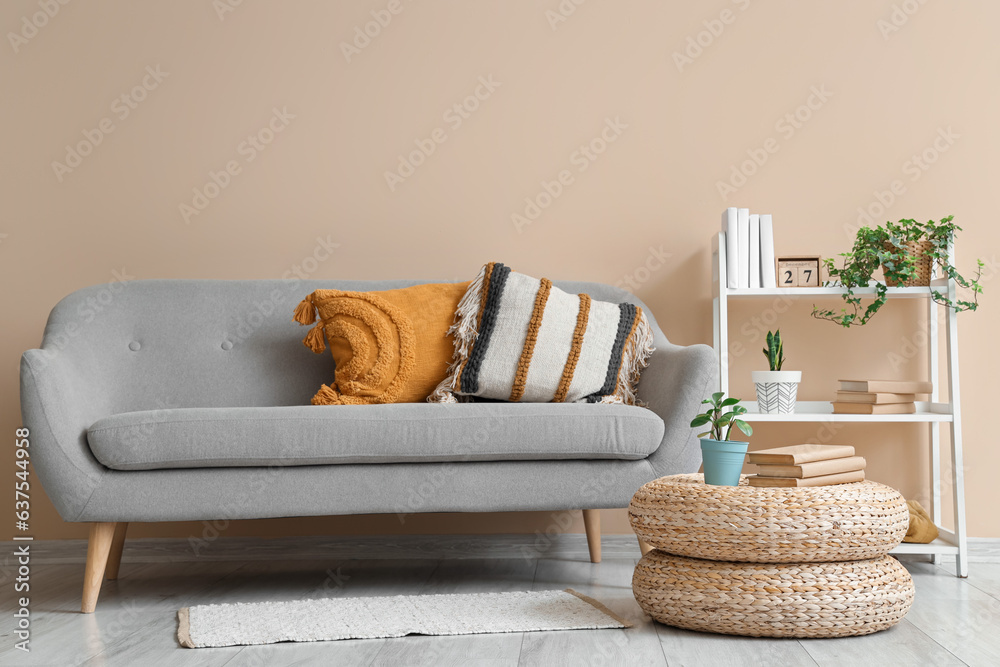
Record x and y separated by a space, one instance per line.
655 187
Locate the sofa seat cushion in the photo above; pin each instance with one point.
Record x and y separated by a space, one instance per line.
346 434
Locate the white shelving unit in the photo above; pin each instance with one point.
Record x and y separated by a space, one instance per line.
933 412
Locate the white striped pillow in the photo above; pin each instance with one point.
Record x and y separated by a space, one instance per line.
518 338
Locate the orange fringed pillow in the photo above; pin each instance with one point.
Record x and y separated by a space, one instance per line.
388 347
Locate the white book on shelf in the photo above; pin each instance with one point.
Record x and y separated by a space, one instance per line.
754 251
732 247
743 222
767 267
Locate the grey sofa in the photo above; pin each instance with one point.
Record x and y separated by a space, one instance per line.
172 400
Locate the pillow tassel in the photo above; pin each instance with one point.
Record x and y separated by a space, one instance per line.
314 339
305 312
464 333
634 359
326 396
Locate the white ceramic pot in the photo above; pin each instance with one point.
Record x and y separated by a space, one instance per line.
776 390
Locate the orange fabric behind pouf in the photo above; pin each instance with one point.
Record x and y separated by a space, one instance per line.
922 529
388 347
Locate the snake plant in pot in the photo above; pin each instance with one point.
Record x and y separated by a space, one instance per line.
723 457
776 388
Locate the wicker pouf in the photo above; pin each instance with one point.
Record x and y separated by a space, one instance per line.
682 515
773 600
771 562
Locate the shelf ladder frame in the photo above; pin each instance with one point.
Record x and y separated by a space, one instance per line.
951 542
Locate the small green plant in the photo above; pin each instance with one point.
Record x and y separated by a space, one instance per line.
886 247
774 351
720 419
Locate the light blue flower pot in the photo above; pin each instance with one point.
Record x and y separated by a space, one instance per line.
723 461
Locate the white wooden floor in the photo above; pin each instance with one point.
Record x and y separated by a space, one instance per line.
952 622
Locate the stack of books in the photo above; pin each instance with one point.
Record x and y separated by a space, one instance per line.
749 248
879 397
807 465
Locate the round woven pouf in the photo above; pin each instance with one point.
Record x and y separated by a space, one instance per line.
682 515
773 600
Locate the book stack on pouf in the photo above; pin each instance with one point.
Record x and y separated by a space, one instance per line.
807 465
879 397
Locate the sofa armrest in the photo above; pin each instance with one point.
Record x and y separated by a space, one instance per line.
677 380
57 406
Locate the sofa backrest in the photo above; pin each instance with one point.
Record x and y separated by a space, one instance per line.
152 344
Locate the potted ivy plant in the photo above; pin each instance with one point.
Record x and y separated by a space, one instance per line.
723 457
776 388
907 252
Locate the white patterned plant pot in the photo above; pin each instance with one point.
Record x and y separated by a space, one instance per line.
776 390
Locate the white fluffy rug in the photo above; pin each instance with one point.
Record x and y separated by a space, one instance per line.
376 617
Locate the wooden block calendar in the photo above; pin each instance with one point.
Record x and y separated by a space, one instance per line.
798 271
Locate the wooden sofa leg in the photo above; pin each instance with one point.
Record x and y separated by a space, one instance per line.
115 556
644 546
98 548
592 524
